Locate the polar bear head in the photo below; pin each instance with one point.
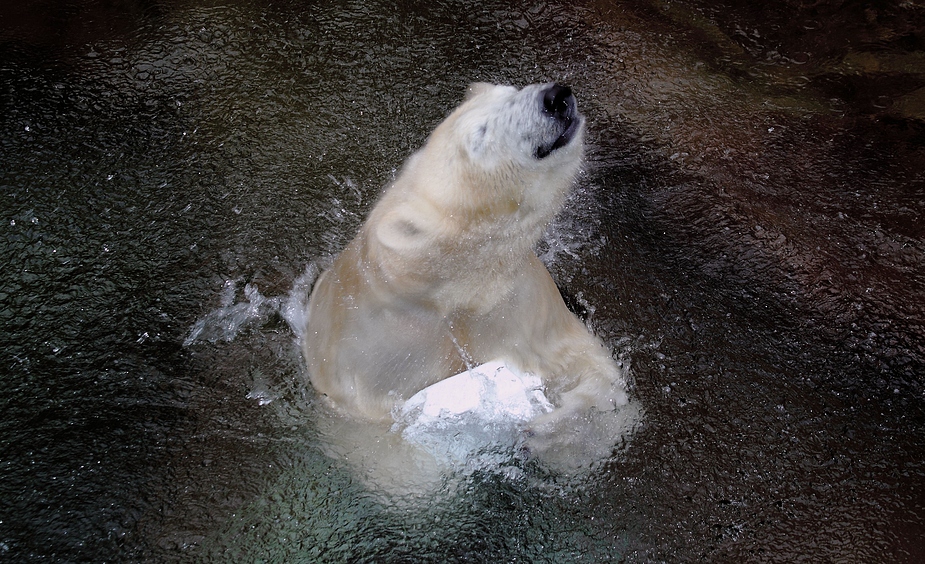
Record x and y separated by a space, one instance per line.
503 151
479 194
528 126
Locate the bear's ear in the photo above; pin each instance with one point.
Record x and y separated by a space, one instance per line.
477 142
400 232
477 88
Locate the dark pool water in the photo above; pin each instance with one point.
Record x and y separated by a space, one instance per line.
748 234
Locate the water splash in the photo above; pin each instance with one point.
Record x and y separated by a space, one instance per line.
295 309
226 322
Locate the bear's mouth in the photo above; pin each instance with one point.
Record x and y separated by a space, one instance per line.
564 138
559 105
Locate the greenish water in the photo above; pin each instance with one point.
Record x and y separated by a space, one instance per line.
747 234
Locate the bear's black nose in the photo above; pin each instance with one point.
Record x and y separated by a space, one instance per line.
558 101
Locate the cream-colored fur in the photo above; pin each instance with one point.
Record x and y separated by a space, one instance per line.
443 275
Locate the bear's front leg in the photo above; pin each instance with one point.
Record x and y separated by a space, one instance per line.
582 380
592 412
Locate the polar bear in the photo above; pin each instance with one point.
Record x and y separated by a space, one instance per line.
443 276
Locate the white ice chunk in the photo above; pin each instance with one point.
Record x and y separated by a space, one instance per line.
481 410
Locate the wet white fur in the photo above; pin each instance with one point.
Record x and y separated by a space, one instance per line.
443 272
